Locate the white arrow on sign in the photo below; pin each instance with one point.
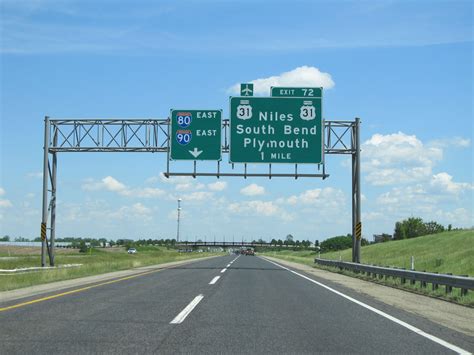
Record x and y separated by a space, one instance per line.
195 153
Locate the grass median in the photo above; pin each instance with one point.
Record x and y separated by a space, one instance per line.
94 262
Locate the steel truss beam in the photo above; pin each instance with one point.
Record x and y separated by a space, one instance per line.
152 136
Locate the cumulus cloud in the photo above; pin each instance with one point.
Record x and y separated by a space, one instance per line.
397 158
262 208
197 196
302 76
109 183
457 142
443 182
217 186
327 197
252 190
135 211
4 203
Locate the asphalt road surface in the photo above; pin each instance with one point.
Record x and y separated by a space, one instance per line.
223 305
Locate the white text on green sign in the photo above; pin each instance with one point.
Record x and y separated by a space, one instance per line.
195 134
275 130
296 92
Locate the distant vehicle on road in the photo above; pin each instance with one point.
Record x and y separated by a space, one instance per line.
250 252
132 251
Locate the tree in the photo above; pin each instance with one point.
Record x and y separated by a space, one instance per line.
450 227
316 243
337 243
433 227
82 247
5 238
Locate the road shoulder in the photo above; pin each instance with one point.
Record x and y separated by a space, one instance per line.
455 317
20 293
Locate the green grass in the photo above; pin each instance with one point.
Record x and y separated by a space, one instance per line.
98 262
448 252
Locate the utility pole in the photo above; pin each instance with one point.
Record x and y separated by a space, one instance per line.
179 212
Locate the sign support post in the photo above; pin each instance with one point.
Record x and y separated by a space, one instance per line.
44 218
356 221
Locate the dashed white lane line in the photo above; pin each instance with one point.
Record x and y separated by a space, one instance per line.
228 265
214 280
188 309
383 314
223 270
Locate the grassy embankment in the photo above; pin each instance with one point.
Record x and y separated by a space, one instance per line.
448 252
99 261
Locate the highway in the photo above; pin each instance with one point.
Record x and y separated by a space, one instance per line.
224 305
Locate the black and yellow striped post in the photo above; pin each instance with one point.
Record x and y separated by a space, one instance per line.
359 231
43 231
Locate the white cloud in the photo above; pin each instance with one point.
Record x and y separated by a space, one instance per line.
327 197
217 186
262 208
35 175
397 158
3 202
302 76
135 211
198 196
109 183
458 142
443 182
252 190
189 186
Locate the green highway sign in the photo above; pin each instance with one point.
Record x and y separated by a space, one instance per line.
195 134
296 92
246 89
276 130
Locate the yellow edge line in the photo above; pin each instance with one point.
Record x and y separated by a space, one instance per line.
75 291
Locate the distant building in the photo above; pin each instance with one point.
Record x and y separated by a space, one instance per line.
380 238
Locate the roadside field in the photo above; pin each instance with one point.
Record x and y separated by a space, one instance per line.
98 261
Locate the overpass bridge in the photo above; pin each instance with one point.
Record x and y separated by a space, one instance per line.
231 244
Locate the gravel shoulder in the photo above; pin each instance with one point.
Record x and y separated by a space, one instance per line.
6 296
456 317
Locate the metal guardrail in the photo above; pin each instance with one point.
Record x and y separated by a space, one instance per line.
464 283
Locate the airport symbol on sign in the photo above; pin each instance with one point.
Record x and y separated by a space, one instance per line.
195 135
246 89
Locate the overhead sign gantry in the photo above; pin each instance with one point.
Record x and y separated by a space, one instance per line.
287 127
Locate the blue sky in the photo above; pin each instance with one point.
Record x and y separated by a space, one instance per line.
403 67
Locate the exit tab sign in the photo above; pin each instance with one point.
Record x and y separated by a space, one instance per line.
296 92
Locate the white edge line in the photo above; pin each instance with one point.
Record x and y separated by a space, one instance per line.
188 309
223 270
383 314
214 280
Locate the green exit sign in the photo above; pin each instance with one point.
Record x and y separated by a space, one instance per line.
195 134
276 130
296 92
